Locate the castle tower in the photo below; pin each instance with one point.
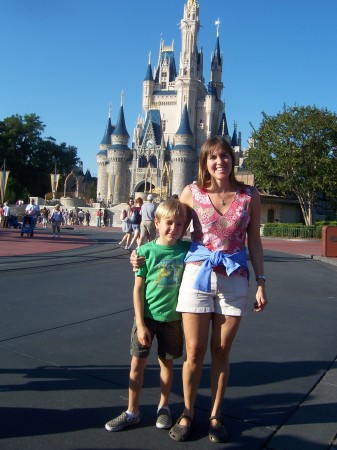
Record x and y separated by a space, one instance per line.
236 145
223 128
216 66
119 156
102 160
148 86
190 76
183 155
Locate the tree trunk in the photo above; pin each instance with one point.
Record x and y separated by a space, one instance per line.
307 208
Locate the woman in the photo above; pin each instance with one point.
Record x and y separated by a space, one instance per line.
135 218
214 289
126 225
56 220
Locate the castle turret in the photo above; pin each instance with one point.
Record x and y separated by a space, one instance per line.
216 66
102 159
119 156
183 155
148 86
223 128
236 144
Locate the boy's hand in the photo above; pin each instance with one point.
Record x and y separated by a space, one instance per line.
144 336
136 261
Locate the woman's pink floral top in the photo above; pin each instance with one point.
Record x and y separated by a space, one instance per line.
218 232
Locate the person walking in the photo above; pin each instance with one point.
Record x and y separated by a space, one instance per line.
126 224
32 210
155 297
87 217
147 226
6 214
56 220
135 220
98 217
45 217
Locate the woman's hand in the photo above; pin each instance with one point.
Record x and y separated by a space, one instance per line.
261 299
136 261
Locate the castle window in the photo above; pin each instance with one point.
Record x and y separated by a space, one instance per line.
164 125
142 162
153 161
164 86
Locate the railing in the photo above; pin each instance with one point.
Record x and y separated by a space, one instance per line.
292 231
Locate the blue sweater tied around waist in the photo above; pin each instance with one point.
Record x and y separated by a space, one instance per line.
231 262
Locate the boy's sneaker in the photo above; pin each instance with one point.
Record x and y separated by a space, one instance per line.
121 422
164 420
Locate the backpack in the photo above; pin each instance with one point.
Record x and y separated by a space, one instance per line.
122 214
135 217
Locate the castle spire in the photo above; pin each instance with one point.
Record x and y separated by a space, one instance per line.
184 127
216 84
235 136
189 26
120 128
108 130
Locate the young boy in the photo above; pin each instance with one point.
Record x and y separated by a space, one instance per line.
155 297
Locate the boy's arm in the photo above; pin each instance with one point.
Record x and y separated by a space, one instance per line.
143 333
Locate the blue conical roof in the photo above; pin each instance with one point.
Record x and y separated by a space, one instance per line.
120 128
107 134
235 137
217 53
149 76
223 127
184 127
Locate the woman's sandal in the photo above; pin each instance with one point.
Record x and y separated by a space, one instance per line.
217 433
181 432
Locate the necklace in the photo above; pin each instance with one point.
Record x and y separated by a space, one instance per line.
222 200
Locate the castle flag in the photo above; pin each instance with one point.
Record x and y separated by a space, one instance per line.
3 181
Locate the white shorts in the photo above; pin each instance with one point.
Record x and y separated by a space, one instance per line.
228 296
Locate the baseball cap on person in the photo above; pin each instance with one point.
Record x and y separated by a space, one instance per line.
150 197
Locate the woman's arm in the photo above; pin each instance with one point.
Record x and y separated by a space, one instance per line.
186 196
256 250
143 333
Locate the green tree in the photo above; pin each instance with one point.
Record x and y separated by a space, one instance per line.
296 152
30 157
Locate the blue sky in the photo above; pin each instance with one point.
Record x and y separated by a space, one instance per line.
66 60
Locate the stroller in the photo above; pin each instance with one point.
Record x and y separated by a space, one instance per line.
28 225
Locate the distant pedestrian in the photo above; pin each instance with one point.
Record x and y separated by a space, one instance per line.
87 217
98 217
135 219
45 217
126 224
6 214
33 210
80 216
56 220
147 226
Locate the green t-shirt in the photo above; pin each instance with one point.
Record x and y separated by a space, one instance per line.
163 272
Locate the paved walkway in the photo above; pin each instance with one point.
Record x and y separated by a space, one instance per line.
68 316
11 243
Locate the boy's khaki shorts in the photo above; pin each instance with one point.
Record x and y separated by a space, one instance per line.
169 337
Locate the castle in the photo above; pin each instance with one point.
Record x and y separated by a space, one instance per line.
180 114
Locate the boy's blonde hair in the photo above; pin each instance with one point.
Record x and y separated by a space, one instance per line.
173 209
